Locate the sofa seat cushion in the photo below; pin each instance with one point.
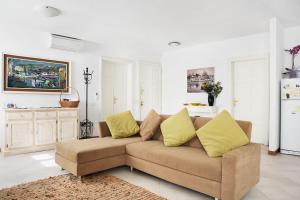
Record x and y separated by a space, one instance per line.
190 160
81 151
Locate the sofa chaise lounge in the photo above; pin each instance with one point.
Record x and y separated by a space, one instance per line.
228 177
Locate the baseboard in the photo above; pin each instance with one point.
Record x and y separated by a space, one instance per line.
290 152
27 150
273 153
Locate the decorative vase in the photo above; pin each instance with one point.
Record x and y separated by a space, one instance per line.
211 99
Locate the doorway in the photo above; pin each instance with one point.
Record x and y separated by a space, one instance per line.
116 82
250 95
150 88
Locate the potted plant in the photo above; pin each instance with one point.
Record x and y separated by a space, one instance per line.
213 90
292 72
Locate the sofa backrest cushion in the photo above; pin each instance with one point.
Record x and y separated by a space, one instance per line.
104 130
158 134
122 125
178 129
246 126
221 134
198 122
150 124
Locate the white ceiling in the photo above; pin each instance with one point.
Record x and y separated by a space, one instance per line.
146 26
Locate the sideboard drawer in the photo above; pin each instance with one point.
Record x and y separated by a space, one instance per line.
19 115
67 114
45 115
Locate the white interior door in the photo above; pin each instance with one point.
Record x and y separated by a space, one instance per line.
251 96
120 88
150 88
115 86
107 88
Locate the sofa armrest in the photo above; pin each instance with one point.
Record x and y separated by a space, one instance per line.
103 129
240 171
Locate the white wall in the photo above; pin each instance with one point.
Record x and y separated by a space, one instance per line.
26 42
276 62
217 54
280 39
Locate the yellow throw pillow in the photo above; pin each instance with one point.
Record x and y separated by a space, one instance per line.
221 135
178 129
122 125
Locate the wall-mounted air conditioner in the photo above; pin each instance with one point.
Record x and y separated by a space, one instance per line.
66 43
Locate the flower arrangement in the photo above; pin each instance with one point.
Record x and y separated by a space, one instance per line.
212 88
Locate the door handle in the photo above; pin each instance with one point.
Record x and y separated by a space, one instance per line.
115 100
142 103
142 91
234 102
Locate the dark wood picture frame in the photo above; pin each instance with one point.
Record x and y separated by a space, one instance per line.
24 89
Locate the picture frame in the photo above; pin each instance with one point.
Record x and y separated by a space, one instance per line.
195 78
35 75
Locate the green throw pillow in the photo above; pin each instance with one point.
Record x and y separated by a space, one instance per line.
178 129
221 135
122 125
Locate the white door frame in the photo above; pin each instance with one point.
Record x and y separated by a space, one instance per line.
139 63
130 72
236 59
248 58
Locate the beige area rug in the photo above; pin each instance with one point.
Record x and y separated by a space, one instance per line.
68 187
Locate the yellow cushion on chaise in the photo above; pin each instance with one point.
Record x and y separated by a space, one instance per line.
122 125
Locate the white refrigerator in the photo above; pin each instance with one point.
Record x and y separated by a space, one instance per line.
290 116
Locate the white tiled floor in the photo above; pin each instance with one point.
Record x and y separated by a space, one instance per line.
280 176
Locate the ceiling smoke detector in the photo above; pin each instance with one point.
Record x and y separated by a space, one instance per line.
174 44
48 11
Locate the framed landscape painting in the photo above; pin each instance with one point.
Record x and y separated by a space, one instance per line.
27 74
195 78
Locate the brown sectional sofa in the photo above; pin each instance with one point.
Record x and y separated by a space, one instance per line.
228 177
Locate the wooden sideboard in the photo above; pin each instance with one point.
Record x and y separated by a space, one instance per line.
29 130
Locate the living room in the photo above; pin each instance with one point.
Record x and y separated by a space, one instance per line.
149 99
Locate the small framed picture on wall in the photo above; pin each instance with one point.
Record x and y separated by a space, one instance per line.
28 74
195 78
